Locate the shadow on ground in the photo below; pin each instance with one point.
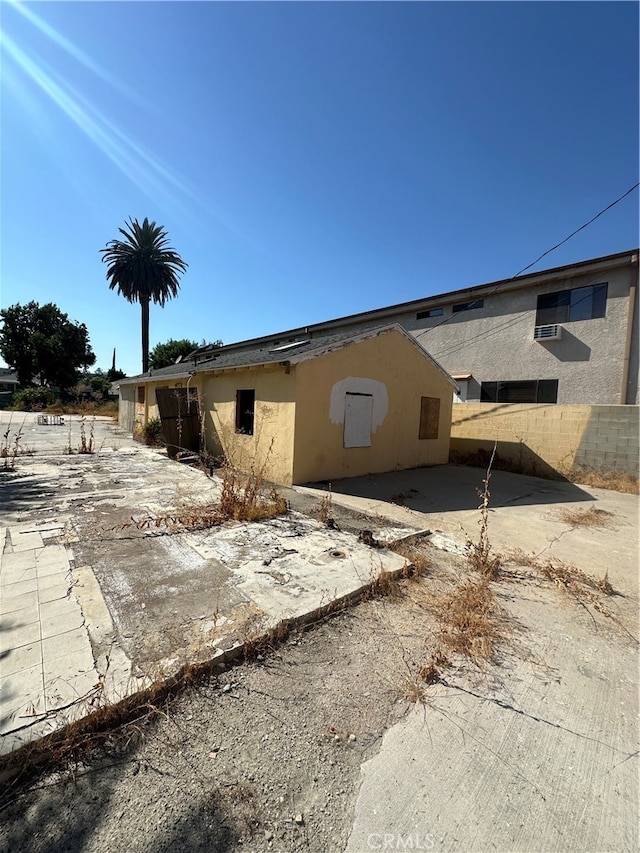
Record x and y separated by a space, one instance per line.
450 488
23 491
70 810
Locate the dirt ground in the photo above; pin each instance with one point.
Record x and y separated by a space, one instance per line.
326 741
268 755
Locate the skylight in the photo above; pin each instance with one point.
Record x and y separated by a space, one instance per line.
290 346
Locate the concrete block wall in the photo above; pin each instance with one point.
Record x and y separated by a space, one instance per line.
543 436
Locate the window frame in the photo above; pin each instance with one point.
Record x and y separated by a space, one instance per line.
545 391
245 411
569 300
429 312
470 305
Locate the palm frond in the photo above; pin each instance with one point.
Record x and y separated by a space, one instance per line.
142 267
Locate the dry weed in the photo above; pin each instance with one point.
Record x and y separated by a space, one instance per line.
469 623
479 553
325 510
590 517
617 481
417 560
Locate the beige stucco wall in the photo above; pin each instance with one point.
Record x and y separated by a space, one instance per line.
126 408
394 361
560 437
269 450
144 412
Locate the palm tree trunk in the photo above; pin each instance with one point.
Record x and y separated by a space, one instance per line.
144 304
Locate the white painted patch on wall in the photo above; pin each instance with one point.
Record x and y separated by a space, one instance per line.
359 385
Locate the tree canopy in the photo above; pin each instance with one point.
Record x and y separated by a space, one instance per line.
43 345
144 269
162 355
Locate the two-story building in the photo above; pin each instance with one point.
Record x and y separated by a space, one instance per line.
562 335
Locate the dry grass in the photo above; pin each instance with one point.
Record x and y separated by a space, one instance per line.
245 497
469 624
584 588
415 553
104 409
590 517
401 497
617 481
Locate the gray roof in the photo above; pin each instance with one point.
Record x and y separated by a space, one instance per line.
8 375
273 351
387 314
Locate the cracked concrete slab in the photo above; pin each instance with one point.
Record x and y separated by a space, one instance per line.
95 585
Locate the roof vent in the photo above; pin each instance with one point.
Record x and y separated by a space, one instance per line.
552 332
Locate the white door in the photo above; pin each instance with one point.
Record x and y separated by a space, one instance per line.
464 388
358 409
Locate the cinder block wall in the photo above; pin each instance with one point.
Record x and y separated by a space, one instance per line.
555 436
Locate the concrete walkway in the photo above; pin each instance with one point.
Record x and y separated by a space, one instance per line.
45 653
94 608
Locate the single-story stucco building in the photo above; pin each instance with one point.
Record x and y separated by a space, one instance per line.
306 409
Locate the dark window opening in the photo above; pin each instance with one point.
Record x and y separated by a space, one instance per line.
429 417
468 306
528 391
245 409
141 390
432 312
566 306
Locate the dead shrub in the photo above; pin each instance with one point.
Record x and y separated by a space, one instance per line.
469 624
600 478
590 517
245 497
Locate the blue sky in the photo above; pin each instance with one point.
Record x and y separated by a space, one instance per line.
308 160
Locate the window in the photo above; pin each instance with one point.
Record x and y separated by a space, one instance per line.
528 391
245 409
432 312
468 306
565 306
429 417
358 411
141 394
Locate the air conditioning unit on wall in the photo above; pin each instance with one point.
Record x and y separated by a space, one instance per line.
547 333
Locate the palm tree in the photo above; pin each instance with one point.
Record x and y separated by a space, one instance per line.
143 269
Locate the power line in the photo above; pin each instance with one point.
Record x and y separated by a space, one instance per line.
510 321
573 233
544 254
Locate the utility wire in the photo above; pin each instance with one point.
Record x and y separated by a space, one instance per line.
544 254
573 233
511 321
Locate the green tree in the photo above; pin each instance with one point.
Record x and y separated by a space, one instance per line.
100 385
43 345
162 355
144 269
